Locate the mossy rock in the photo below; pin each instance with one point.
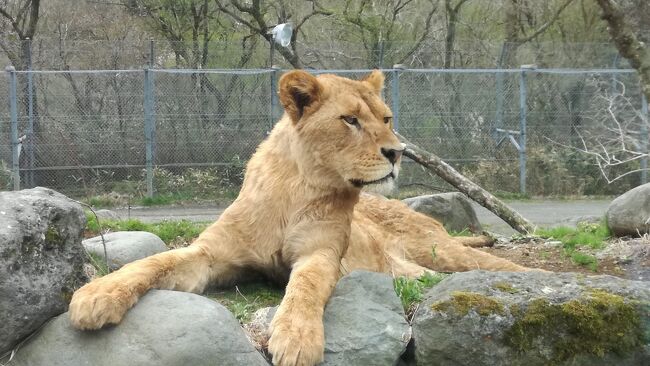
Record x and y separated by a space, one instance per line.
533 318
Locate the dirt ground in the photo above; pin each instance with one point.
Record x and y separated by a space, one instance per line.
626 258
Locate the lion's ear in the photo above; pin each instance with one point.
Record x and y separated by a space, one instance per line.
300 92
376 80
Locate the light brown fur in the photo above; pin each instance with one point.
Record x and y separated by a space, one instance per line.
301 219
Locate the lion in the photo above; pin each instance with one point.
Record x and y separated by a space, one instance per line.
302 219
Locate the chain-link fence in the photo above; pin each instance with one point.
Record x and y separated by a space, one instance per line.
190 132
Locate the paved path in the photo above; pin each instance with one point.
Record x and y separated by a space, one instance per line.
542 213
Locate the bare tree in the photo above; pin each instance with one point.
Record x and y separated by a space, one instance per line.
626 40
399 27
452 11
617 140
19 19
515 19
259 19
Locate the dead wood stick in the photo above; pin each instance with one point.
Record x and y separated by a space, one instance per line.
433 163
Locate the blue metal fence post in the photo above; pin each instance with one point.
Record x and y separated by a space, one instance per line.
394 88
498 118
30 111
644 137
273 113
522 130
149 128
15 143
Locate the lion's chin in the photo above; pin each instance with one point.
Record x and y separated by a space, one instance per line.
384 188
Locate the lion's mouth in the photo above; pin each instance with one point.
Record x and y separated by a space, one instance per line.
360 183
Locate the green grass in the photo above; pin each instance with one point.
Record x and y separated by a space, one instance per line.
246 299
464 232
410 291
168 231
100 201
585 235
585 260
100 265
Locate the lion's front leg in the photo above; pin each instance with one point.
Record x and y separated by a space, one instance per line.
105 300
297 336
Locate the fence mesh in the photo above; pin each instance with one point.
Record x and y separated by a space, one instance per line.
90 128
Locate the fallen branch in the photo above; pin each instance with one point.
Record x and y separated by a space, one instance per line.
472 190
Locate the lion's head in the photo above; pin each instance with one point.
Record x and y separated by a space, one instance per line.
344 127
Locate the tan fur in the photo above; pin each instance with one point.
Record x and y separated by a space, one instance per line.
300 219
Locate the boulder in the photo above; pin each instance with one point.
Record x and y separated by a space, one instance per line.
125 247
165 328
452 209
41 259
533 318
575 221
629 214
364 322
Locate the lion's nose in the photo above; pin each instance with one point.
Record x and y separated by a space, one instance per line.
391 154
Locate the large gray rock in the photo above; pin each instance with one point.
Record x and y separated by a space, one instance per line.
452 209
364 322
629 214
125 247
41 259
533 318
165 328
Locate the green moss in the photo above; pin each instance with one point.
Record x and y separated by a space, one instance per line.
596 324
462 302
52 236
505 287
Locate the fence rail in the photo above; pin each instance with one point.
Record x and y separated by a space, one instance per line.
512 130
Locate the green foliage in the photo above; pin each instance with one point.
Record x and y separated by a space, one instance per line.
101 269
596 324
410 291
551 171
590 235
585 260
200 183
584 235
243 300
168 231
464 232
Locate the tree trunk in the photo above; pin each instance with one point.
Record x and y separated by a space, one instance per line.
627 43
466 186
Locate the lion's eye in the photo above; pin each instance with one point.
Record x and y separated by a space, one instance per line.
351 120
387 120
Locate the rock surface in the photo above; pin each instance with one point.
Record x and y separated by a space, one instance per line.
452 209
41 259
533 318
364 322
165 328
125 247
629 213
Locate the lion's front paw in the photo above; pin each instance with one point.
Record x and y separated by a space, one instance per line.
97 304
296 341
